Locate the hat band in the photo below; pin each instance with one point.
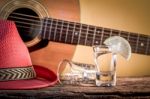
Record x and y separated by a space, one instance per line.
7 74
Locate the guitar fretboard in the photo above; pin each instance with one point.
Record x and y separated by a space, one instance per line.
88 35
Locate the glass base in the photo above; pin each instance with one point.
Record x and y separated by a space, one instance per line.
78 80
106 79
105 84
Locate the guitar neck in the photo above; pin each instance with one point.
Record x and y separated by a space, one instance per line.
88 35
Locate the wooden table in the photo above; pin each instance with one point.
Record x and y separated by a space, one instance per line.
127 88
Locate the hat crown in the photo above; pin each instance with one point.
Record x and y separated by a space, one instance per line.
16 70
13 52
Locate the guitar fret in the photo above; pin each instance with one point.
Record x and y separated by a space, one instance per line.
142 44
86 35
94 36
147 47
132 41
70 32
76 33
55 30
106 34
128 36
89 41
44 33
67 31
61 30
64 31
58 31
76 36
79 34
98 35
83 34
50 29
137 43
73 33
142 40
102 36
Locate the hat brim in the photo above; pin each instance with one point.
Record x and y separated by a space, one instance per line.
45 78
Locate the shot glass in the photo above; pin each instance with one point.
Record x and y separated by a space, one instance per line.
75 73
105 62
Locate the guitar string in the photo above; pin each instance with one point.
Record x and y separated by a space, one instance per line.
49 23
125 36
91 37
52 27
70 36
47 28
97 40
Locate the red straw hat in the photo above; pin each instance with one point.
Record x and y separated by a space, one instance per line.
16 69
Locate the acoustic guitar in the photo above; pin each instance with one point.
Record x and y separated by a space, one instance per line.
70 33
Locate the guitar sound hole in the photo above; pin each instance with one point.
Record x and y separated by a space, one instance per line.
27 22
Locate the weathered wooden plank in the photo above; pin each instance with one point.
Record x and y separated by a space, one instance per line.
126 88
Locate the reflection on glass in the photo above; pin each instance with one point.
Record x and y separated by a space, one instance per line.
106 67
73 73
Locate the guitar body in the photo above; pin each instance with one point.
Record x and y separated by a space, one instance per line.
50 55
53 53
